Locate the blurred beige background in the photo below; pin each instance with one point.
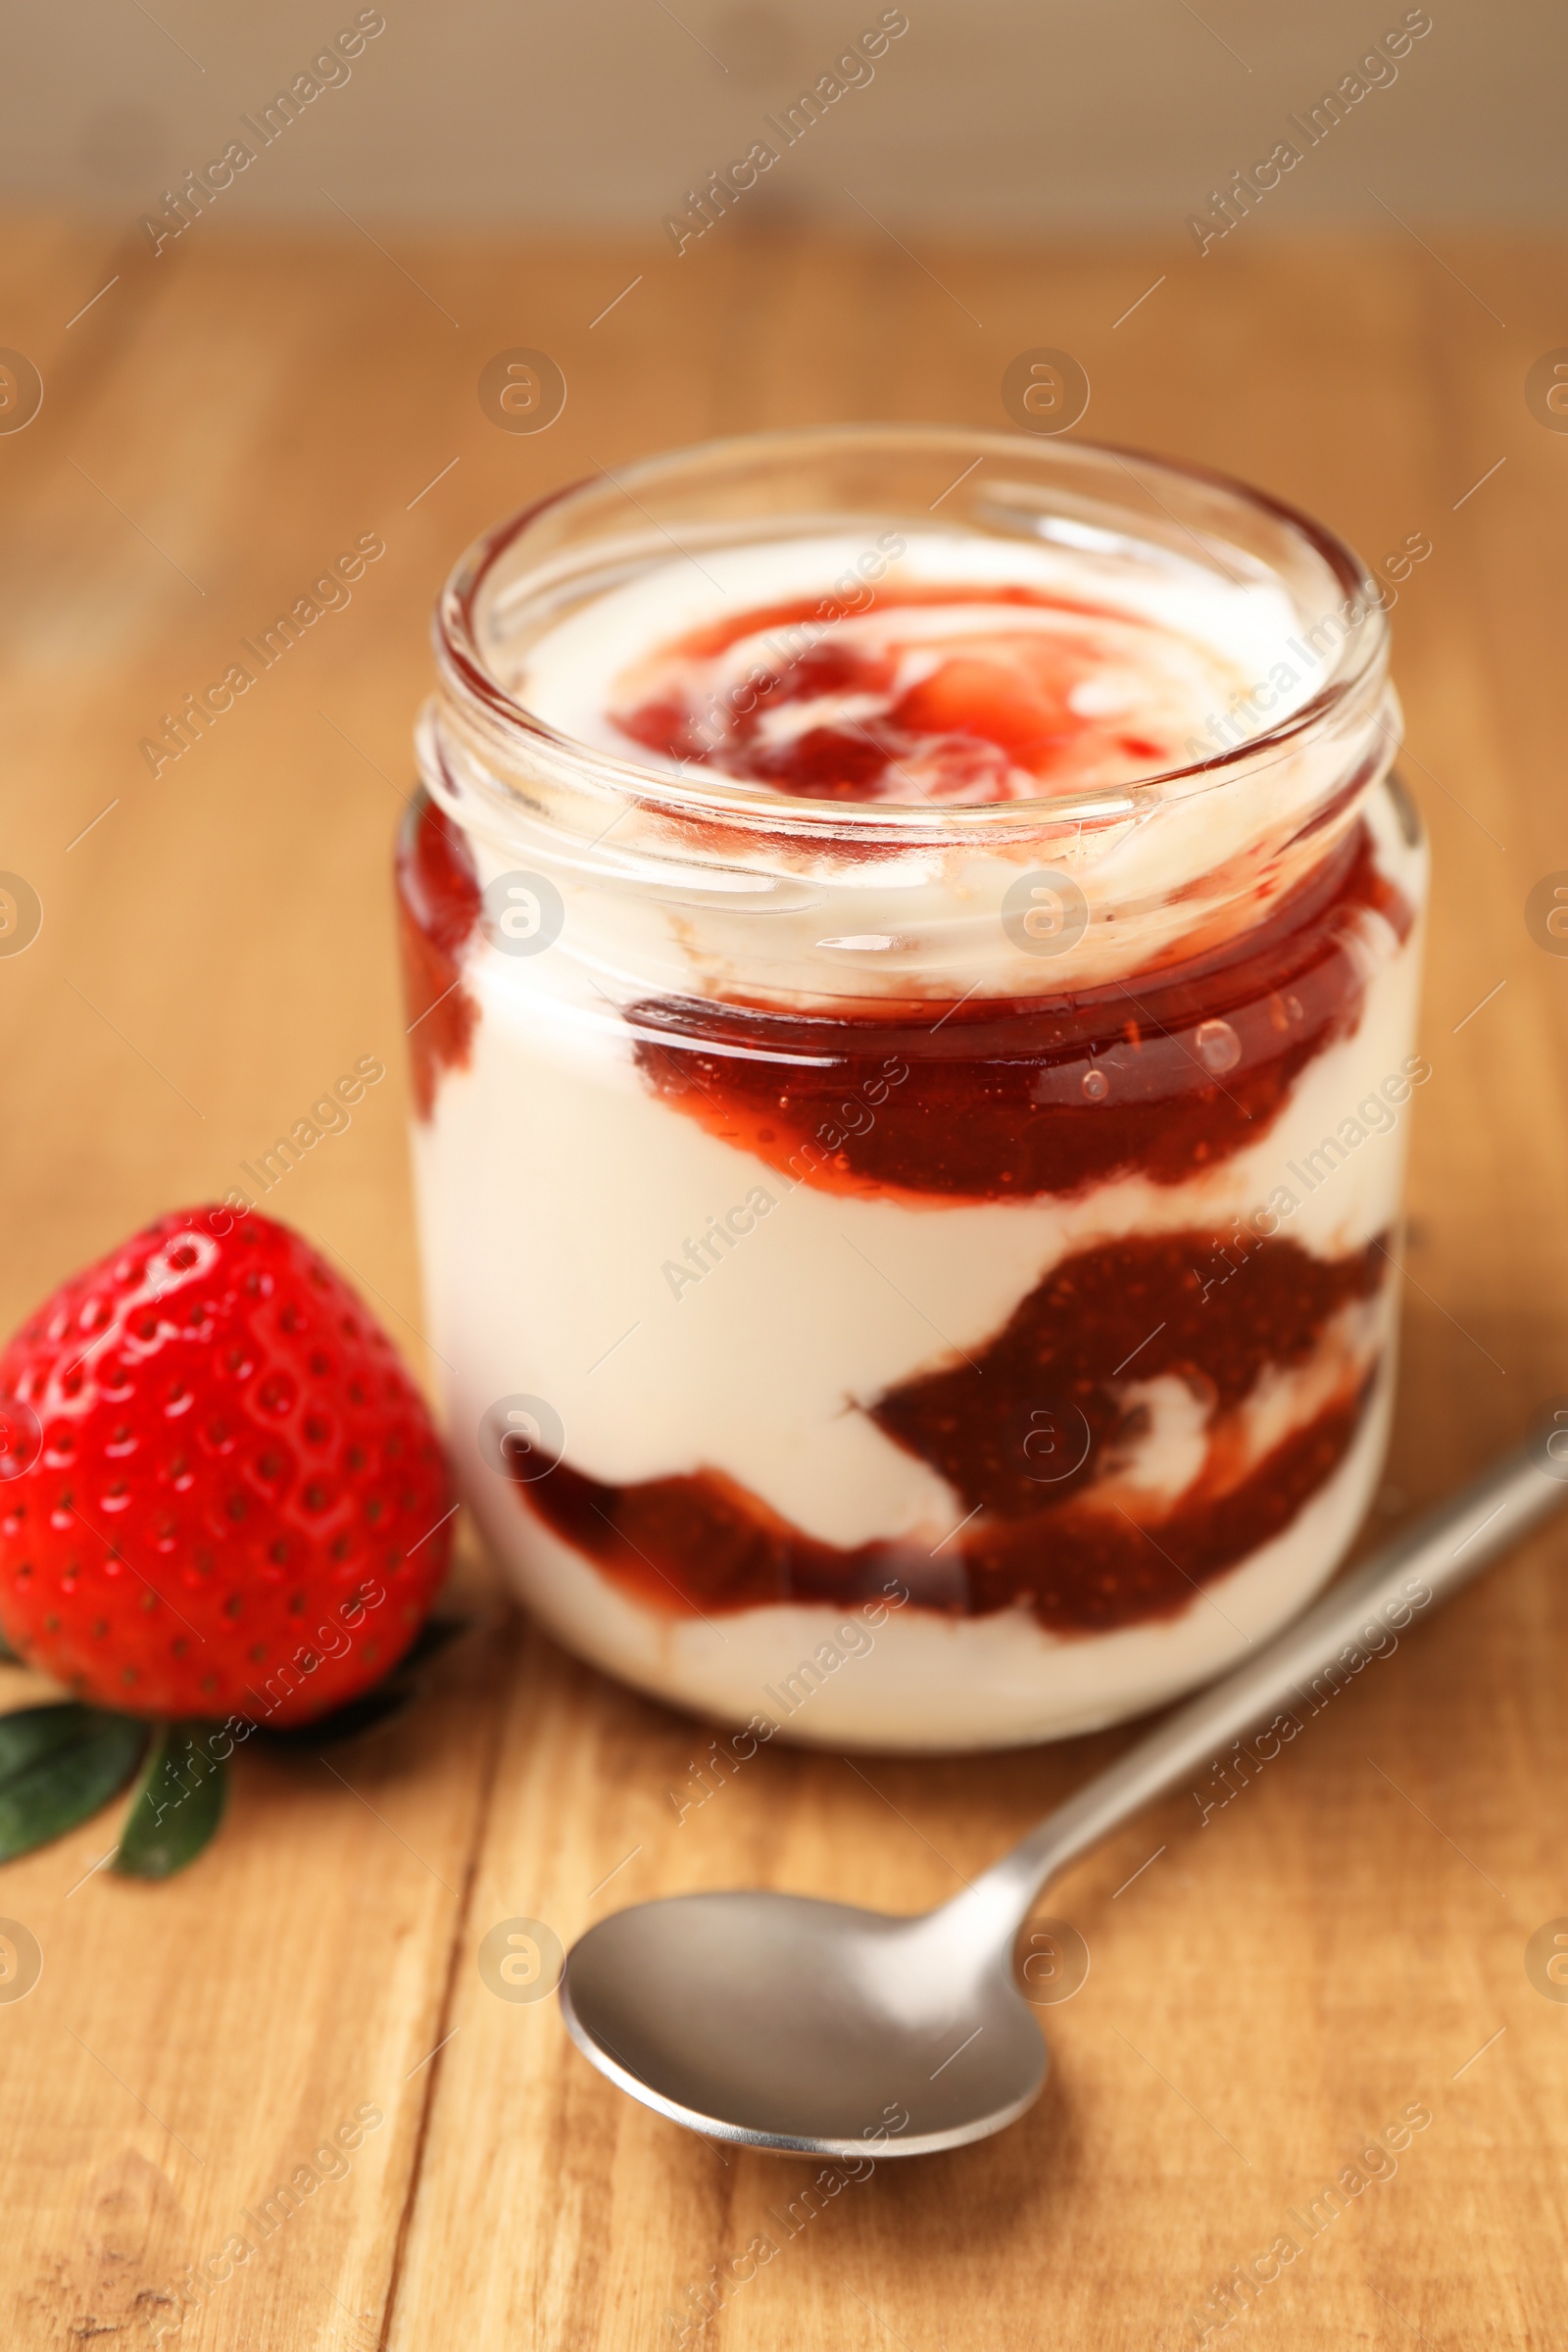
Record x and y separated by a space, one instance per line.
985 115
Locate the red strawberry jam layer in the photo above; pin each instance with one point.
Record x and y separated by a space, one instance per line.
1003 1098
1036 1435
986 1099
947 694
438 907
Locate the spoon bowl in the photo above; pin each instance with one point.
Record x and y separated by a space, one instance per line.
805 2028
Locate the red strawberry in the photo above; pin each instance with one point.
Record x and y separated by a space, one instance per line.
221 1493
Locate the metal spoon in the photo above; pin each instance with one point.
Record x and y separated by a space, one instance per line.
814 2029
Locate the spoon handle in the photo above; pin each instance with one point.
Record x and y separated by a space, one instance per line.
1356 1620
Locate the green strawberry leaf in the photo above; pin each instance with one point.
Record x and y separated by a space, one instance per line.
8 1655
385 1699
58 1764
34 1731
178 1805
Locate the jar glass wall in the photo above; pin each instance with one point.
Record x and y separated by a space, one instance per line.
912 945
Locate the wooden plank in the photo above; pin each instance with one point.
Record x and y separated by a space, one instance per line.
1273 1987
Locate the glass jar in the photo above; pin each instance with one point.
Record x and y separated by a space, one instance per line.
911 1273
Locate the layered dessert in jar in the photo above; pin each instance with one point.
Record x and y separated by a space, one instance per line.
911 943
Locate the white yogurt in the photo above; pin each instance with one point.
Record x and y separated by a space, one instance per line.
557 1189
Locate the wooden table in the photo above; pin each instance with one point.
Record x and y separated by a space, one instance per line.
1342 1944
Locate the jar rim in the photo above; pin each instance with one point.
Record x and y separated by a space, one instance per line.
507 726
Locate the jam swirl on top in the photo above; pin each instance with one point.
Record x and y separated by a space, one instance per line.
947 694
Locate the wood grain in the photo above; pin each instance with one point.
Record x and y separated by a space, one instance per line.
1336 1945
